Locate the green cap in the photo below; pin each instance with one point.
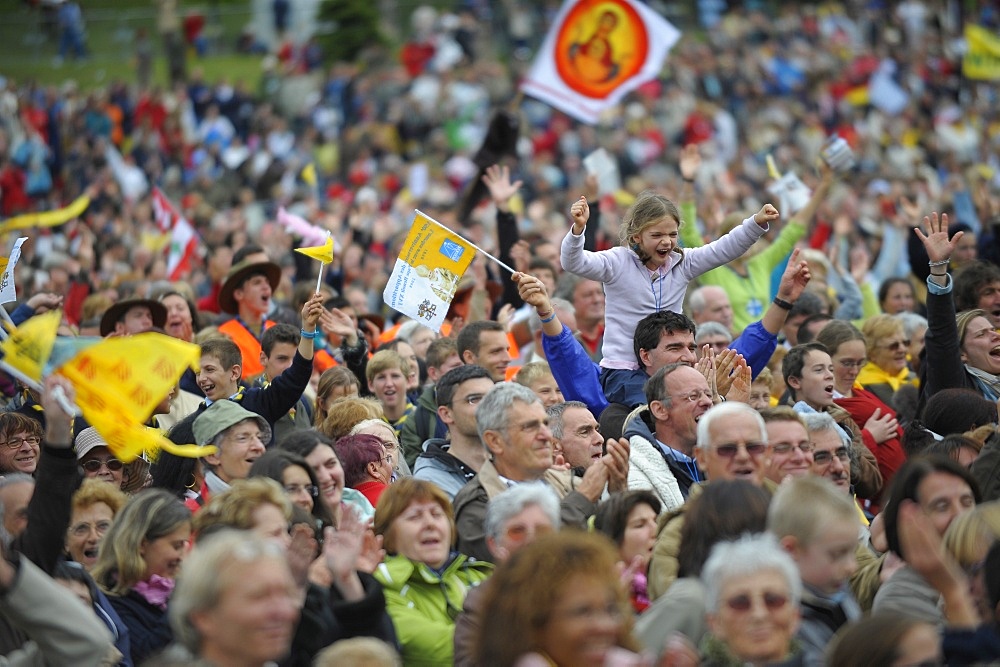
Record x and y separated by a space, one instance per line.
221 415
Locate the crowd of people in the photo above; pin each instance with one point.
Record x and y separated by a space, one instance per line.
716 416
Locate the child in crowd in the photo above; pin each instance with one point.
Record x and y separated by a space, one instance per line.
649 272
817 524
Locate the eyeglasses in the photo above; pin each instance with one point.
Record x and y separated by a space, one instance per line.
695 395
743 603
83 529
852 363
824 457
387 458
728 450
473 399
296 489
783 448
93 465
15 442
897 345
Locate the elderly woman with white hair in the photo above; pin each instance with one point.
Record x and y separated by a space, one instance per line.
235 603
752 593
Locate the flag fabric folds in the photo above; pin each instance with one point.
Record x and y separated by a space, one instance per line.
595 52
118 383
982 60
322 253
183 237
47 218
8 291
427 272
28 347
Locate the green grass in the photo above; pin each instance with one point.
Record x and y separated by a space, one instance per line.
28 53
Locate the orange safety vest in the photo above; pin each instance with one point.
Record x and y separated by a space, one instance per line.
323 360
389 334
248 344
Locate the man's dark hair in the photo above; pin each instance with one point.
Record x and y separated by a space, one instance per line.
808 303
805 334
651 328
246 251
468 337
970 280
795 360
444 390
279 333
543 264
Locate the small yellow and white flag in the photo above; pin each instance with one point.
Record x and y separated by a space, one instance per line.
8 292
427 271
322 253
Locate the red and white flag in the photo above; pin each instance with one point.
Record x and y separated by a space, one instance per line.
183 237
597 51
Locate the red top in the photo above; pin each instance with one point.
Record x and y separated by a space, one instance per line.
889 454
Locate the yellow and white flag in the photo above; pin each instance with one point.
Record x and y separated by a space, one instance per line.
982 60
28 347
119 381
427 271
8 292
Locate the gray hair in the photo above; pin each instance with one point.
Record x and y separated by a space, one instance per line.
493 412
821 421
561 306
556 413
745 557
706 329
15 478
510 503
723 411
697 300
911 322
203 580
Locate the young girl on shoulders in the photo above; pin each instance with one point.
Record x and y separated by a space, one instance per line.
649 272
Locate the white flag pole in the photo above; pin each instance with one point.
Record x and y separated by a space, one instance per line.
478 249
322 265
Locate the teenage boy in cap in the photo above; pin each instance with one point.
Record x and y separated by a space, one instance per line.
246 293
133 316
239 435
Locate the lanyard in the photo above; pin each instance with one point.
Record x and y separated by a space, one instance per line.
658 300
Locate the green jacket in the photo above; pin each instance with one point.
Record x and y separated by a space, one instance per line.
423 604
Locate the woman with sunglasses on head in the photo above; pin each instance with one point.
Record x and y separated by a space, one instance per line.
752 593
888 351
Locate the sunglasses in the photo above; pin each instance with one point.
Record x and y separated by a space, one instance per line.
729 450
743 603
93 465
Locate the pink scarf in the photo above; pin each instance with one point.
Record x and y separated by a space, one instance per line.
156 591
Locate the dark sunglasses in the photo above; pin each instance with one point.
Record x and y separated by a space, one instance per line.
93 465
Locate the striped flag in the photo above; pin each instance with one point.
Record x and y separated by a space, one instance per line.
183 237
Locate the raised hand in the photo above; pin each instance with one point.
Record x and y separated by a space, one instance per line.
338 325
795 278
739 386
312 310
497 180
532 290
725 363
520 252
766 215
936 242
580 212
690 162
616 461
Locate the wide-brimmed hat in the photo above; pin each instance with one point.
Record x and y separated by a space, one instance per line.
118 310
221 415
239 274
